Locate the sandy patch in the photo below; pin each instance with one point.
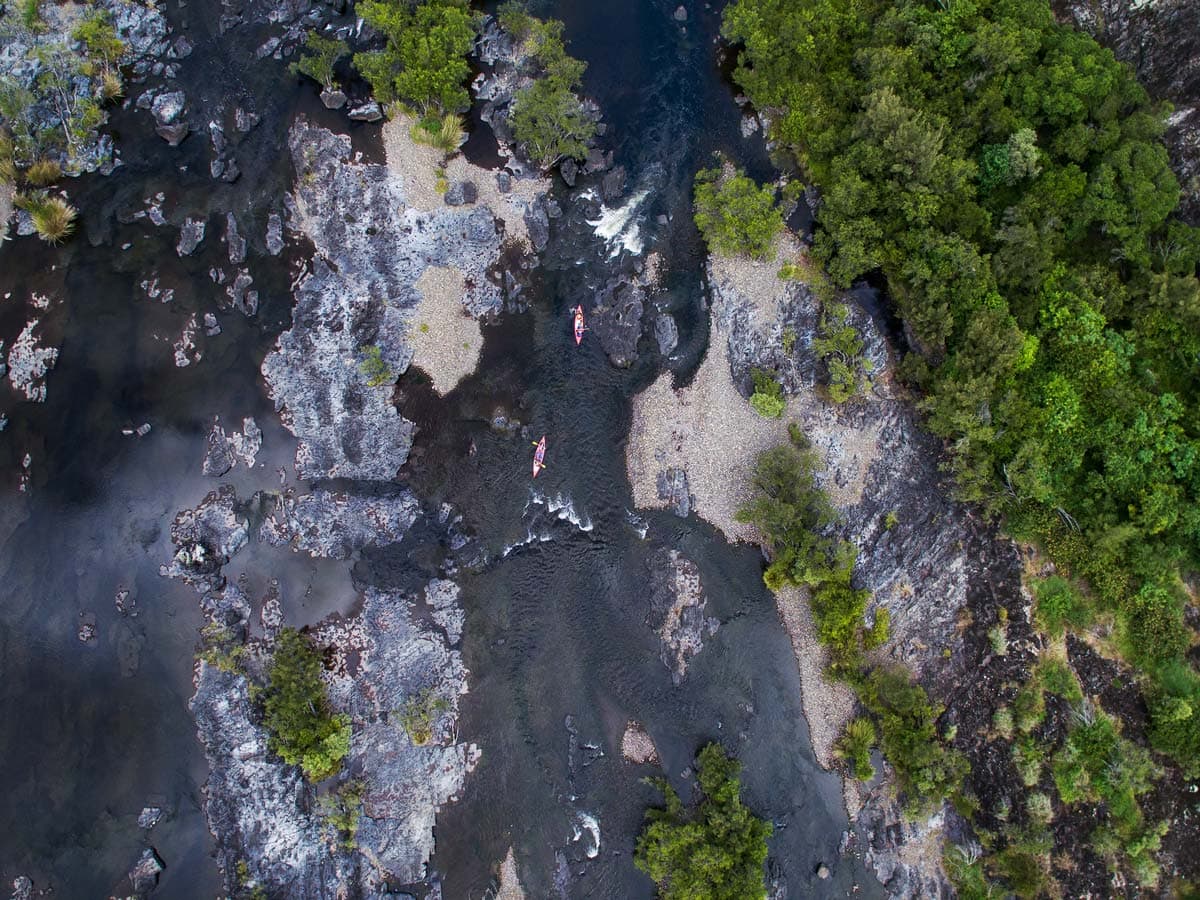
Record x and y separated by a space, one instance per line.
510 884
417 165
708 429
637 746
446 339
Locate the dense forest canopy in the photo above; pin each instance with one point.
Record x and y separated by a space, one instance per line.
1007 176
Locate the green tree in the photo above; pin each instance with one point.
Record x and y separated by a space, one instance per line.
734 214
424 61
715 851
303 729
319 59
548 119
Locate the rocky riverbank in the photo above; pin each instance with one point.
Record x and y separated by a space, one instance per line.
925 559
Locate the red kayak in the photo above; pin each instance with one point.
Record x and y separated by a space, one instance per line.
578 325
538 455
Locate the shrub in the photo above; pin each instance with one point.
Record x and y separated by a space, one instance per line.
320 58
1151 626
715 851
1002 721
1059 605
1028 759
964 866
1029 706
1039 808
1175 716
31 16
735 215
420 715
855 746
767 398
374 368
515 19
927 770
998 638
424 61
112 88
303 730
840 347
342 810
99 38
548 120
1058 678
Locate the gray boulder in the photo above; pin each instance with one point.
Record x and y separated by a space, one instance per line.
673 487
666 333
461 193
333 99
366 112
168 110
191 233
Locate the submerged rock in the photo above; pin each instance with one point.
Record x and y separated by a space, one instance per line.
224 450
677 605
191 233
334 525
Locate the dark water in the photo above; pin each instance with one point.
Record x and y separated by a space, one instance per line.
556 627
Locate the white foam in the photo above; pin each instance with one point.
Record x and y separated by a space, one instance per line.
562 508
585 822
619 228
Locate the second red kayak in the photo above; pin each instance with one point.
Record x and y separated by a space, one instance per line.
538 456
578 325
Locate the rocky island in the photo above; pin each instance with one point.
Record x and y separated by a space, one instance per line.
863 559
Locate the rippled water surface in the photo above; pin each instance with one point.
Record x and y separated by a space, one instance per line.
557 642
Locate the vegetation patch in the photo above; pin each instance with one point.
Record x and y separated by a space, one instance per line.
374 369
1008 178
548 119
424 61
420 714
341 810
716 850
303 729
734 214
319 59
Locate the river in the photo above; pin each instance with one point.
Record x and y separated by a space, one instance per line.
556 639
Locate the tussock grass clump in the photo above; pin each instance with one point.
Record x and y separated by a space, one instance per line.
43 173
112 87
53 217
446 133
